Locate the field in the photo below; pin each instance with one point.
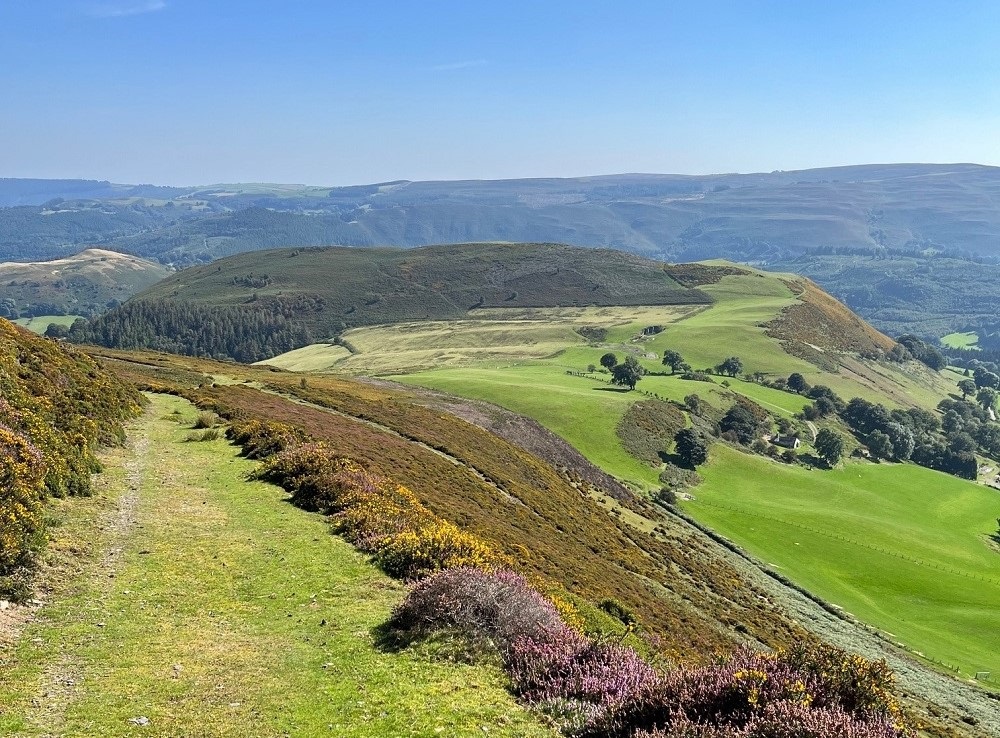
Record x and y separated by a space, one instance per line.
39 323
906 549
961 340
582 411
209 606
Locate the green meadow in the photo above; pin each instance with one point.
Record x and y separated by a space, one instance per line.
906 549
39 323
961 340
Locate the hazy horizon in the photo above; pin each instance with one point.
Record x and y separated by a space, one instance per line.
173 91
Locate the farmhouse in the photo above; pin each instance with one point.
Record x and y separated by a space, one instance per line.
786 441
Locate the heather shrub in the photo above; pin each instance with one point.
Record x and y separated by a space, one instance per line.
550 665
754 695
487 608
567 666
784 720
263 438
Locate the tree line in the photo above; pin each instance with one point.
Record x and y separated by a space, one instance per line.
244 333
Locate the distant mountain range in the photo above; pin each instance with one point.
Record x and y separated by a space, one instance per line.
943 218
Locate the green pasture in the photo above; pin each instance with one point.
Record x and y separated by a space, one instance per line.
39 323
583 411
903 548
961 340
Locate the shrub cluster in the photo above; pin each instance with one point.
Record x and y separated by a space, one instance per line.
374 513
810 692
56 407
597 688
550 664
263 438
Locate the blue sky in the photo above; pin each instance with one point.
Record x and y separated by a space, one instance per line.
202 91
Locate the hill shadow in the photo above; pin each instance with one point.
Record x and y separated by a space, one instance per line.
612 389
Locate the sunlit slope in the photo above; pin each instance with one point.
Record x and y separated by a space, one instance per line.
365 286
904 548
81 284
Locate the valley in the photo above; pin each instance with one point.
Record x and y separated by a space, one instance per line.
753 545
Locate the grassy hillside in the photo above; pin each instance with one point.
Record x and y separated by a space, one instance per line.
324 291
901 547
555 525
205 604
686 589
84 284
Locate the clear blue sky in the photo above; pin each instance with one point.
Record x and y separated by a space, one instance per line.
327 92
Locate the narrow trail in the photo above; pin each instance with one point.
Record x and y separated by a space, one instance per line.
203 604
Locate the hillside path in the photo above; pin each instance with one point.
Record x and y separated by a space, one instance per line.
205 605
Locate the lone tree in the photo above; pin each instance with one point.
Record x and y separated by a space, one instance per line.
627 373
609 360
691 448
731 366
672 359
966 387
797 383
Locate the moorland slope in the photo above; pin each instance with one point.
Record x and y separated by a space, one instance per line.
86 283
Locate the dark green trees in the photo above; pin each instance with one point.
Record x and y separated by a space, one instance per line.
966 387
830 446
691 448
627 373
740 422
609 360
672 359
731 366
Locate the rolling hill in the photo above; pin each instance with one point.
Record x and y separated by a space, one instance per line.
86 283
881 217
324 291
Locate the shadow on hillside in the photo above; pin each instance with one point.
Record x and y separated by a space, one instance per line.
813 461
389 639
673 460
996 536
612 389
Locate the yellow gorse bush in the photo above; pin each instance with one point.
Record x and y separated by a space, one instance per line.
375 513
56 406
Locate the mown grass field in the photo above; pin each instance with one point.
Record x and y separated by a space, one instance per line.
39 323
228 613
901 547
